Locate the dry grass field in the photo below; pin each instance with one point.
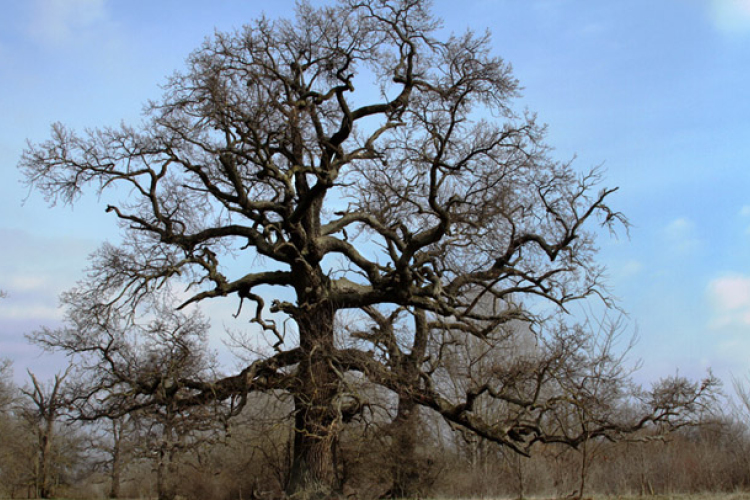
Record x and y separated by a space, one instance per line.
701 496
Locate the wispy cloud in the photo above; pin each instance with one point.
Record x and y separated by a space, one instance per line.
625 269
62 21
40 313
28 283
30 297
681 235
34 275
731 16
631 268
680 228
729 321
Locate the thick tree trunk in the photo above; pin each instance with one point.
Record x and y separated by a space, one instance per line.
407 472
405 468
313 468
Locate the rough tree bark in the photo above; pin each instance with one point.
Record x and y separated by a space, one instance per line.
315 419
406 471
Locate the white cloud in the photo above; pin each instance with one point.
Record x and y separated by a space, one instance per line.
731 292
731 16
61 21
680 228
730 300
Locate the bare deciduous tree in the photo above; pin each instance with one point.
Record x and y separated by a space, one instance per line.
358 160
8 427
44 409
118 452
742 403
559 384
115 441
7 387
140 370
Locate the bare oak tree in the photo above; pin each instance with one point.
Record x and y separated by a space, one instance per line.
358 160
556 384
138 370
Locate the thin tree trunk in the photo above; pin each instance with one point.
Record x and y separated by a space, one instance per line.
114 489
518 465
584 468
45 489
165 469
160 473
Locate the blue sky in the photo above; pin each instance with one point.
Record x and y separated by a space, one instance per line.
656 92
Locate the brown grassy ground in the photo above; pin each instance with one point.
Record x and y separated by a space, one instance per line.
702 496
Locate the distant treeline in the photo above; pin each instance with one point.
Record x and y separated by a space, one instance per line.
249 456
